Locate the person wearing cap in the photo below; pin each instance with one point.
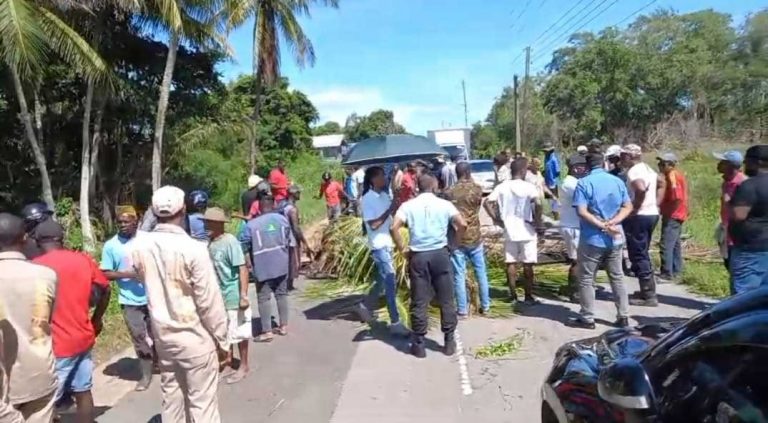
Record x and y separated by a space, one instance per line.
290 209
262 190
613 162
582 150
333 193
267 239
229 263
198 202
602 203
729 165
642 182
27 363
251 194
673 207
187 311
131 293
74 331
569 219
34 214
748 225
278 180
428 219
595 145
552 177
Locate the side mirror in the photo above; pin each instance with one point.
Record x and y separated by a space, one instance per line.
625 384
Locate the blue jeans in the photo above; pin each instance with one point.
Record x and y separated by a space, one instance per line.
476 256
749 269
385 277
671 248
75 374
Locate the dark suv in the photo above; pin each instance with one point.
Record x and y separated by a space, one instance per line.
711 368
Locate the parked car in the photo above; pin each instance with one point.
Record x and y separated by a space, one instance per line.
711 368
483 174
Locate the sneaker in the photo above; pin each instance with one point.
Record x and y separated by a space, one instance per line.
664 278
450 344
462 316
578 322
531 301
398 329
485 311
644 302
418 349
365 315
622 322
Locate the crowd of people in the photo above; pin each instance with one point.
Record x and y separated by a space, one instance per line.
183 280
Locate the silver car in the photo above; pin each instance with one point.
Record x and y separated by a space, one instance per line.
483 174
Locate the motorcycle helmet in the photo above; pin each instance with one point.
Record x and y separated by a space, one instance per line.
34 213
198 199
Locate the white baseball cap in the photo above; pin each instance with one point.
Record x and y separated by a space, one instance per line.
581 149
167 201
253 180
613 151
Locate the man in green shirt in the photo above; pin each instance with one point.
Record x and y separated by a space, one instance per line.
229 263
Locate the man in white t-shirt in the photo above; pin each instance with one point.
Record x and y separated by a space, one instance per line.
376 207
569 219
515 205
638 227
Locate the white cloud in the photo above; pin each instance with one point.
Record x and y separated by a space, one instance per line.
337 103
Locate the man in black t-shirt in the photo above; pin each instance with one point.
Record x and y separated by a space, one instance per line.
749 223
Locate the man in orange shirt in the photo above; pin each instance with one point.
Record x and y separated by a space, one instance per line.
333 191
673 208
278 180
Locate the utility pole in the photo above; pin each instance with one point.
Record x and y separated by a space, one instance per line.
517 116
525 89
464 91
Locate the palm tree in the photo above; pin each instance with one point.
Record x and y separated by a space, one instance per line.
273 19
200 23
30 31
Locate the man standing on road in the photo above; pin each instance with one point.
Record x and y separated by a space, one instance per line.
251 194
34 214
406 185
377 208
187 310
552 177
26 303
333 193
613 166
74 331
229 263
290 209
639 226
569 219
467 196
132 296
278 180
515 205
602 203
268 238
749 223
729 165
198 202
448 174
501 164
429 260
674 212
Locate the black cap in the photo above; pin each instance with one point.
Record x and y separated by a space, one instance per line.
577 159
49 230
757 152
595 142
594 160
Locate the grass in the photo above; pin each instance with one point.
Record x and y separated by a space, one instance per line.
114 336
505 348
306 171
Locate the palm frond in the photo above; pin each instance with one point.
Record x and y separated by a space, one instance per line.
293 34
24 42
170 13
238 11
266 46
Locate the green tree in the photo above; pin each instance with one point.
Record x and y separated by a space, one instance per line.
379 122
273 20
327 128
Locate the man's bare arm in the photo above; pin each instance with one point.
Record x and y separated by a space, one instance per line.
492 208
460 226
395 232
640 191
740 213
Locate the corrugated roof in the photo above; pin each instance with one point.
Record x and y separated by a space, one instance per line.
323 141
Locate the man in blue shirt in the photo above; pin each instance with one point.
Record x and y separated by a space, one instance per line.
551 175
117 266
198 202
602 203
429 266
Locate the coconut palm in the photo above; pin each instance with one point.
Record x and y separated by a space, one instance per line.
29 32
200 23
273 19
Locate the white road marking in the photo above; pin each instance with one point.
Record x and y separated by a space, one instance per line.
466 385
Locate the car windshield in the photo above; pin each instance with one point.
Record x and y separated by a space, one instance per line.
483 166
456 151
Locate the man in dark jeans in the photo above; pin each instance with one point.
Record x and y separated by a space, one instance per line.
638 227
674 211
429 262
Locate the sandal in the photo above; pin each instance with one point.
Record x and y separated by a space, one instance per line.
264 338
280 331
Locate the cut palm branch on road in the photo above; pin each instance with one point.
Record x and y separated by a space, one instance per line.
503 349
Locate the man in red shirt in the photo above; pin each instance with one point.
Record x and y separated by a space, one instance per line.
333 191
278 180
673 207
407 188
74 331
729 165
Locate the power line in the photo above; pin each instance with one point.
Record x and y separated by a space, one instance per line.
635 12
578 15
557 21
522 12
571 30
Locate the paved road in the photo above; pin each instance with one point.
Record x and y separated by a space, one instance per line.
338 371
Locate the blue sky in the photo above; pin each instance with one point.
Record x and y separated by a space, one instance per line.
410 56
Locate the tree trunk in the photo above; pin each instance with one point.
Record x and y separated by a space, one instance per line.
162 108
85 172
39 120
26 119
96 142
255 117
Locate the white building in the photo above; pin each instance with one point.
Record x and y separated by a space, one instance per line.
329 146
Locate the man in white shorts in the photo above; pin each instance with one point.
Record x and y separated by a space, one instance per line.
515 205
569 220
229 262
